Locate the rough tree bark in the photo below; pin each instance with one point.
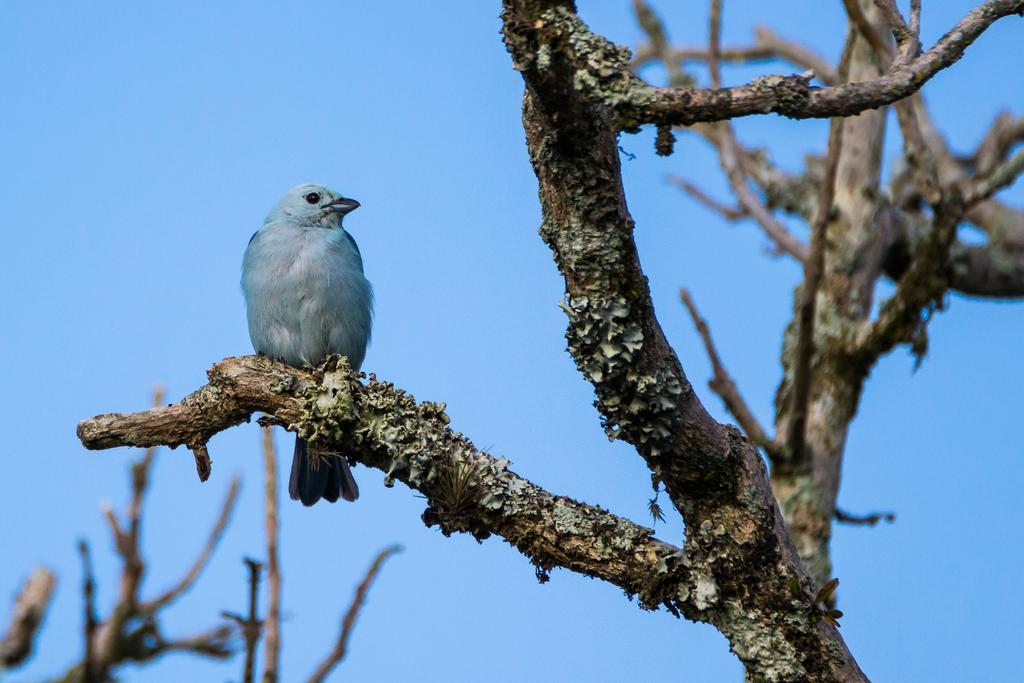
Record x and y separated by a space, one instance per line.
740 569
873 231
807 484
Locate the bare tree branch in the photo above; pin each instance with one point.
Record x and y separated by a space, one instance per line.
767 46
659 47
27 616
723 385
340 648
1005 132
643 395
729 213
140 479
1003 175
805 318
906 36
864 520
188 580
272 625
89 666
990 270
418 448
131 632
882 47
608 80
729 152
250 624
729 155
920 290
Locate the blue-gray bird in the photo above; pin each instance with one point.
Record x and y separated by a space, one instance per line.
306 298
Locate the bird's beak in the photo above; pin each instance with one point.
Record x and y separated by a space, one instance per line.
342 206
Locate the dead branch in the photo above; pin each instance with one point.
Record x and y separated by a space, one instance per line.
131 632
730 152
89 623
26 618
864 520
420 450
813 269
767 46
610 82
272 624
250 625
723 385
188 580
340 649
729 213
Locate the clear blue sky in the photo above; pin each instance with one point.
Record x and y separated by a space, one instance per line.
143 144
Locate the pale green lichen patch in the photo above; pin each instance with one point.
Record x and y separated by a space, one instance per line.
601 68
789 95
637 407
328 407
754 639
705 593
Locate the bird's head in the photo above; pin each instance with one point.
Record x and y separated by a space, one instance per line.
312 205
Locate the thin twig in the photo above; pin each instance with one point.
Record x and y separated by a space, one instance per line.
655 30
915 22
723 385
715 43
250 624
904 34
729 213
882 47
140 479
129 548
1001 176
337 654
813 270
730 156
89 608
216 642
120 537
272 626
767 46
1004 133
918 154
864 520
186 582
132 632
730 153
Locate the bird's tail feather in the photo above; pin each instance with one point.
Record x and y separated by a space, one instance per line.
324 476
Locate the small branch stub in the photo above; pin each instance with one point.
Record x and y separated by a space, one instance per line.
204 464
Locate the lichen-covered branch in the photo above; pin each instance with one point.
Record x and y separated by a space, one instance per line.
27 616
601 72
713 475
383 427
471 491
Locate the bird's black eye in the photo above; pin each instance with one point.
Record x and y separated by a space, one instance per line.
313 197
